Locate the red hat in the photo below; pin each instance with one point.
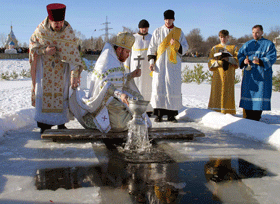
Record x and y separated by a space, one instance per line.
56 11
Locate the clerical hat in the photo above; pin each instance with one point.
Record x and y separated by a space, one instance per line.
169 14
125 40
56 11
143 24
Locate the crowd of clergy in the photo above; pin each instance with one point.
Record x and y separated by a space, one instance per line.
139 66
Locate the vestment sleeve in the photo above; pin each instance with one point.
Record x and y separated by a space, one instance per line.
183 43
234 60
242 56
212 62
153 46
270 57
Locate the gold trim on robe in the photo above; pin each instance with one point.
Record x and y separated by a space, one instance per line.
53 67
172 50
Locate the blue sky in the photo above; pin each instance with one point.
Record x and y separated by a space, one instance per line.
237 16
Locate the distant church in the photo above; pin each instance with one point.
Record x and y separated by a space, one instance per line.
11 43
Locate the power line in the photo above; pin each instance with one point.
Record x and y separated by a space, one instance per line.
106 29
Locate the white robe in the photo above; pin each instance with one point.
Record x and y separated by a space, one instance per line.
166 85
52 118
102 106
143 83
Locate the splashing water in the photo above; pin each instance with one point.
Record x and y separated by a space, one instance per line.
138 138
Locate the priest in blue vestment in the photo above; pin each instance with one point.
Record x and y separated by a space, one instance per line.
257 57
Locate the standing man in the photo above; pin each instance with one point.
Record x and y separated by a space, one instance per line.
55 65
223 68
138 57
166 48
257 56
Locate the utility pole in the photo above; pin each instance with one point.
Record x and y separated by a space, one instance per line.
106 29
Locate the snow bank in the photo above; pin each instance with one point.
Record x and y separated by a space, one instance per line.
19 119
256 130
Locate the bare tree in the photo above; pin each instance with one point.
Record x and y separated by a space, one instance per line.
25 44
2 39
99 43
273 33
195 41
244 39
112 39
81 37
86 44
210 42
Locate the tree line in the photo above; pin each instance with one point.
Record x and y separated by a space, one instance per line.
198 46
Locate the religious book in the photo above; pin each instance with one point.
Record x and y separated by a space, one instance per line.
221 55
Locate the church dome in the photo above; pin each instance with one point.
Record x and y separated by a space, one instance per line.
11 38
11 43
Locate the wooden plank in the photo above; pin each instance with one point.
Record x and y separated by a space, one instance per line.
154 133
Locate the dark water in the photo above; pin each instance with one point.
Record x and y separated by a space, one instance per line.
204 181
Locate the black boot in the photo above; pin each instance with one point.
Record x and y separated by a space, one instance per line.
43 127
158 119
61 127
172 119
149 113
171 116
159 114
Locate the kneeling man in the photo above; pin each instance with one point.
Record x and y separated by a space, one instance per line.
106 107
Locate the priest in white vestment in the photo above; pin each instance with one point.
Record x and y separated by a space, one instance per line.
165 51
106 106
54 57
139 59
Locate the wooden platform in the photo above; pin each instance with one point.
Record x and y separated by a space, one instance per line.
185 133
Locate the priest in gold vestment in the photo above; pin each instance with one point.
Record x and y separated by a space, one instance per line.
222 87
55 65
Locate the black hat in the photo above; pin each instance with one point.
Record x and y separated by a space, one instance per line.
143 24
169 14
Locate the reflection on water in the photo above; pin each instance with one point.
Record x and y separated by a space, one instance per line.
211 181
67 178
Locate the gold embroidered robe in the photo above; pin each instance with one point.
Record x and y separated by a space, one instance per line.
51 74
222 87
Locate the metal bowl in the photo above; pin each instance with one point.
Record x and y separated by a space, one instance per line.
138 107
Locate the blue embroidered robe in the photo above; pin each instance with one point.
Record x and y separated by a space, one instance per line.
256 85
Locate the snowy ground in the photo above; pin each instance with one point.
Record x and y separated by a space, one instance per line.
16 111
22 151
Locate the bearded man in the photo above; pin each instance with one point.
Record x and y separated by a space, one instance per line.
55 66
139 59
257 57
106 106
165 51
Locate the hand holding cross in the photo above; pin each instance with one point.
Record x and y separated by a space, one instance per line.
139 59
